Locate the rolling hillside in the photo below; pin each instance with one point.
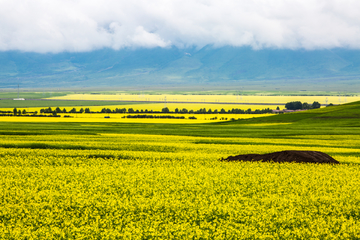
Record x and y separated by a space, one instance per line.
336 69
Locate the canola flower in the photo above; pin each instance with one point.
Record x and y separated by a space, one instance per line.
114 117
137 186
159 107
282 100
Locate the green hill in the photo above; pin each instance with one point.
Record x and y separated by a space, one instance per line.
340 115
329 121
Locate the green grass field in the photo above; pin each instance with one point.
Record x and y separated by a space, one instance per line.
31 95
165 181
55 103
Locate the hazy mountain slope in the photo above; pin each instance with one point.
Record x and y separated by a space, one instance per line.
159 66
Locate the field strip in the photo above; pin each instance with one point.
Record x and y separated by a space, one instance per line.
227 99
179 102
118 118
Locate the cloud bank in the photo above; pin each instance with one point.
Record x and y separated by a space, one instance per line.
85 25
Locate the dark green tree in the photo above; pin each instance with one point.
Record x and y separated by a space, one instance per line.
316 105
165 110
305 105
293 105
72 110
184 110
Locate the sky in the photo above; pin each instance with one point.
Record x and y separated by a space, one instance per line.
85 25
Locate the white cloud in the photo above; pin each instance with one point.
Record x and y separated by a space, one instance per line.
85 25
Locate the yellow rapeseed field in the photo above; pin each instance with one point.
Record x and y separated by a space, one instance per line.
281 100
160 106
137 186
118 117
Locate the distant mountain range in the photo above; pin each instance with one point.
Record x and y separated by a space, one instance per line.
335 69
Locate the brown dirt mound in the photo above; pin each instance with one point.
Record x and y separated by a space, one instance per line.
285 156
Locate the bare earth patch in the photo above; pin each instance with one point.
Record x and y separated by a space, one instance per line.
285 156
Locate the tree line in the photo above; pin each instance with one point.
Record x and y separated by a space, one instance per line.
297 105
56 111
155 116
164 110
16 112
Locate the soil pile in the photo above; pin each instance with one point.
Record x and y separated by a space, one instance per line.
286 156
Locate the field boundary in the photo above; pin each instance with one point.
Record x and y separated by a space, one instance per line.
191 102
